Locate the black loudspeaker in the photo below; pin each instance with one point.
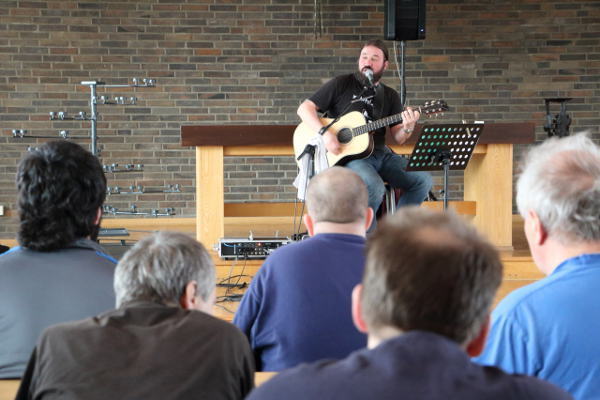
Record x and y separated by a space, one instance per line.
404 20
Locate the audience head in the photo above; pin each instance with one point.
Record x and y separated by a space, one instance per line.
167 268
61 188
337 195
560 183
428 271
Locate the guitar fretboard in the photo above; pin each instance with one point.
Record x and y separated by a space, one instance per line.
380 123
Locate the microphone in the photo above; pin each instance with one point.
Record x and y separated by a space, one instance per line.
368 73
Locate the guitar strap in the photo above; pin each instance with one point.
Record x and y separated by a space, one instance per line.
378 102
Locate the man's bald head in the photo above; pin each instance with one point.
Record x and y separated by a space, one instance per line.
337 195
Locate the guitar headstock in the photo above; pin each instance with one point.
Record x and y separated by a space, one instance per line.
434 107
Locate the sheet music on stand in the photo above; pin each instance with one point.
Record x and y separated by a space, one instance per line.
444 147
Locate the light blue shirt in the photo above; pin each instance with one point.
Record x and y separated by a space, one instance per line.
551 329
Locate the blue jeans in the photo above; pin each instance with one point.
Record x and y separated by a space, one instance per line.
386 166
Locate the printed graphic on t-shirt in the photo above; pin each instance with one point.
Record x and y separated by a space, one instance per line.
367 105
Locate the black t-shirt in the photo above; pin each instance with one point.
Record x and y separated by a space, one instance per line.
335 98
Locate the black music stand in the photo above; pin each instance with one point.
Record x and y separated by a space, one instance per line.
446 147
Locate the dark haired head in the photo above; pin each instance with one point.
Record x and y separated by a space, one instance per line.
60 187
380 45
429 271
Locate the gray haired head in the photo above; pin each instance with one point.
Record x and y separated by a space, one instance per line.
159 267
560 181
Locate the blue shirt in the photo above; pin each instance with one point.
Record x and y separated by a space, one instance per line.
416 365
298 306
551 329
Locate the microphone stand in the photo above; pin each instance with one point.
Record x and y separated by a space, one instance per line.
309 150
403 78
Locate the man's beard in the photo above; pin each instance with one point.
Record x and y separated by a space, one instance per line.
376 76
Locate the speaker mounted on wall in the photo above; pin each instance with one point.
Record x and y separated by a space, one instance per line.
404 20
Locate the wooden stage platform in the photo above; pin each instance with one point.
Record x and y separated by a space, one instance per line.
519 269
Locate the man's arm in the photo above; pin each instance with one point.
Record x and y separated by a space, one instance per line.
243 353
402 132
308 113
26 390
246 314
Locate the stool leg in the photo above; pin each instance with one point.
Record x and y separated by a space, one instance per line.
390 199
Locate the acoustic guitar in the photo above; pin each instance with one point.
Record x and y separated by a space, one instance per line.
355 134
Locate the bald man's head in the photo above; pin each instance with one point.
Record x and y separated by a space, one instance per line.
337 195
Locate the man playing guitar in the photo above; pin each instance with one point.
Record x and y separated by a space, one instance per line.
362 91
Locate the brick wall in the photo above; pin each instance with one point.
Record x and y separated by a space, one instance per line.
254 61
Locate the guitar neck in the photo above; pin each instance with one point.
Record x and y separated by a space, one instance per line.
380 123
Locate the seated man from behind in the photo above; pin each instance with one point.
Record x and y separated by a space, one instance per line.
424 301
58 273
297 308
551 328
160 343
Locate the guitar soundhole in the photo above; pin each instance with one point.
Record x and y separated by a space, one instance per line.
345 135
